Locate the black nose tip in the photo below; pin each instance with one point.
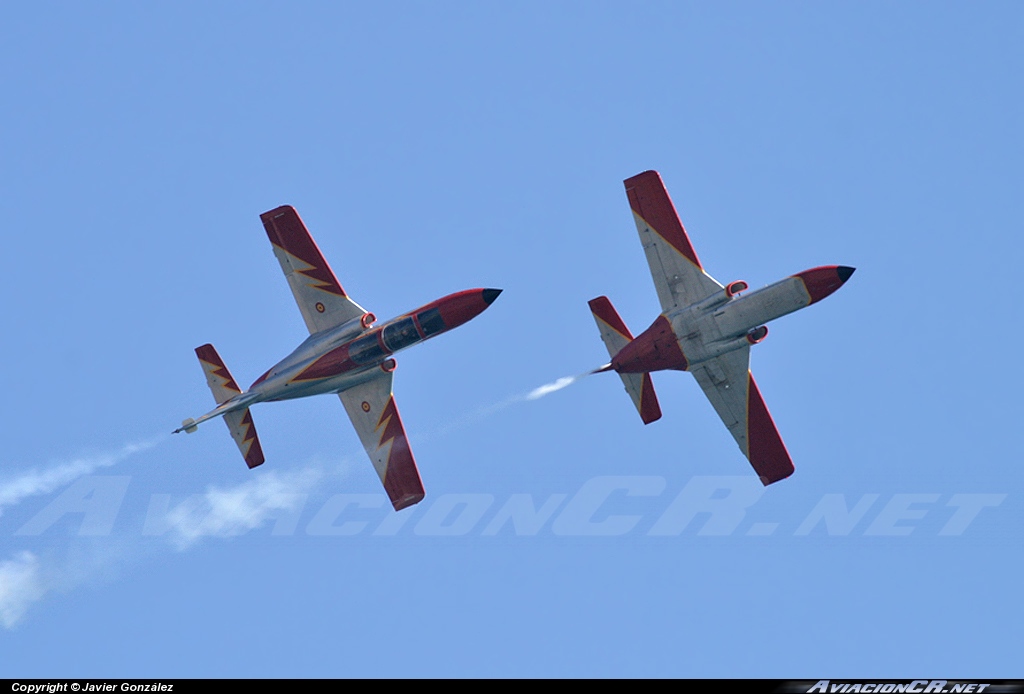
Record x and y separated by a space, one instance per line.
490 295
844 272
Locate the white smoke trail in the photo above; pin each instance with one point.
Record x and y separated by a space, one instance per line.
236 510
21 584
222 512
37 482
218 512
487 410
548 388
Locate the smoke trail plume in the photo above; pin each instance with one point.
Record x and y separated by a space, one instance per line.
37 482
21 584
548 388
220 512
236 510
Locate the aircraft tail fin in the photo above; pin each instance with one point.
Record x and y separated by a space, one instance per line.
616 335
243 431
222 384
236 413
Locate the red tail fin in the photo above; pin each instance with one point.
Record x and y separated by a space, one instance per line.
616 335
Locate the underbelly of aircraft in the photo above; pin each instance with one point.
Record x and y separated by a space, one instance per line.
332 384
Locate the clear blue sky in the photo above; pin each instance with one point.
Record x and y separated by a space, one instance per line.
433 147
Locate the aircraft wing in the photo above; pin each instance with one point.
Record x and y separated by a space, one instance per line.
371 407
729 385
322 301
678 275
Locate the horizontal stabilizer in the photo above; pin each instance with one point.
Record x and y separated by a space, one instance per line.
221 383
616 335
243 431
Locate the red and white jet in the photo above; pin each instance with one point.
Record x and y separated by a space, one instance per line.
344 354
705 328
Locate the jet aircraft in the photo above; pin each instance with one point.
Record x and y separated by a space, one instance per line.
345 353
705 328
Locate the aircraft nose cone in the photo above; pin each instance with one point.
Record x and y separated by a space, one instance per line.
490 295
822 281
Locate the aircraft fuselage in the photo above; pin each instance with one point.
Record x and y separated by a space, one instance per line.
334 360
723 322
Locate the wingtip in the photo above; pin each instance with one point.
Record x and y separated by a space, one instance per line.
649 173
276 212
650 419
407 500
778 477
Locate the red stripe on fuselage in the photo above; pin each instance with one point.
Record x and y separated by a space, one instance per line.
455 309
330 364
262 378
649 198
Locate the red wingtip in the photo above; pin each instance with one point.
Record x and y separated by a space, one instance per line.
286 230
766 451
649 199
401 478
407 501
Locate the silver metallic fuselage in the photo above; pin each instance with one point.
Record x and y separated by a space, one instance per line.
334 360
723 322
279 382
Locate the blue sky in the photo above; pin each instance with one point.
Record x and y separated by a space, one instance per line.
433 147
